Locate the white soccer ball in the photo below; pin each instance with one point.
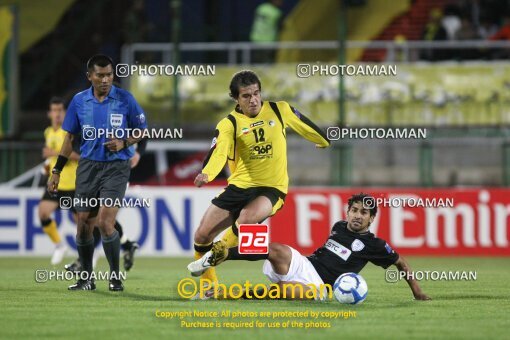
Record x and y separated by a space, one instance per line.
350 288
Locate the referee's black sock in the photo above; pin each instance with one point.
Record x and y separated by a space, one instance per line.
111 246
85 252
97 236
233 254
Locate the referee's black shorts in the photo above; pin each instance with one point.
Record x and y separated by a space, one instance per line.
100 180
234 199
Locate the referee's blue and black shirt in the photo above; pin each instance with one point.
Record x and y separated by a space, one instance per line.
89 117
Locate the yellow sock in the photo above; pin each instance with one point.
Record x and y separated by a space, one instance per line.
230 239
210 274
52 231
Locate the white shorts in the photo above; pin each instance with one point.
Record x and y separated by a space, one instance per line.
301 270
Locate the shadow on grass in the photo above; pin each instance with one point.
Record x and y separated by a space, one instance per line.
140 297
467 297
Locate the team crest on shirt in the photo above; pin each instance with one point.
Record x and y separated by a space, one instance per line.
116 120
271 123
357 245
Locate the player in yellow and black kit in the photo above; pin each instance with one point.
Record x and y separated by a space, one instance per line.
54 137
252 138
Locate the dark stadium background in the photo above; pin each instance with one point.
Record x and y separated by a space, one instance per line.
453 79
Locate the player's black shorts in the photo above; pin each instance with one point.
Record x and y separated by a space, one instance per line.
60 197
234 199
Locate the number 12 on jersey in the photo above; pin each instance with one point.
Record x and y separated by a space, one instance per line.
259 135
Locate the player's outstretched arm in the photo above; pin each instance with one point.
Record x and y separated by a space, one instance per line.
403 266
304 126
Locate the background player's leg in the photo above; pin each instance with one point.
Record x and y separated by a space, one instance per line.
45 209
49 226
128 247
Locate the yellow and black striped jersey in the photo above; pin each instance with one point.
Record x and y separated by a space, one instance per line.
257 156
54 140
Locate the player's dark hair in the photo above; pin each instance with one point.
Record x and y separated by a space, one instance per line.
242 79
56 100
367 200
100 60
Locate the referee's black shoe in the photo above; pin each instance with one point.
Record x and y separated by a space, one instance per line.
83 285
116 285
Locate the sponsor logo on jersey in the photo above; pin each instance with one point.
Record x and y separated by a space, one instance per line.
338 249
357 245
271 123
264 150
213 143
259 123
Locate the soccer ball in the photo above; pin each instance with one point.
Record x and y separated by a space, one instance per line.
350 288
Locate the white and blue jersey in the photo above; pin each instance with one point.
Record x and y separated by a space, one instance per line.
98 122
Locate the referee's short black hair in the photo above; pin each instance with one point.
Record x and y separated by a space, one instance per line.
367 200
242 79
100 60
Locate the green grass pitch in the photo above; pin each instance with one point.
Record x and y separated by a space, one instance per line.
459 310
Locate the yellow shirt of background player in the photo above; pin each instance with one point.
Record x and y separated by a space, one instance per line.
54 140
260 155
